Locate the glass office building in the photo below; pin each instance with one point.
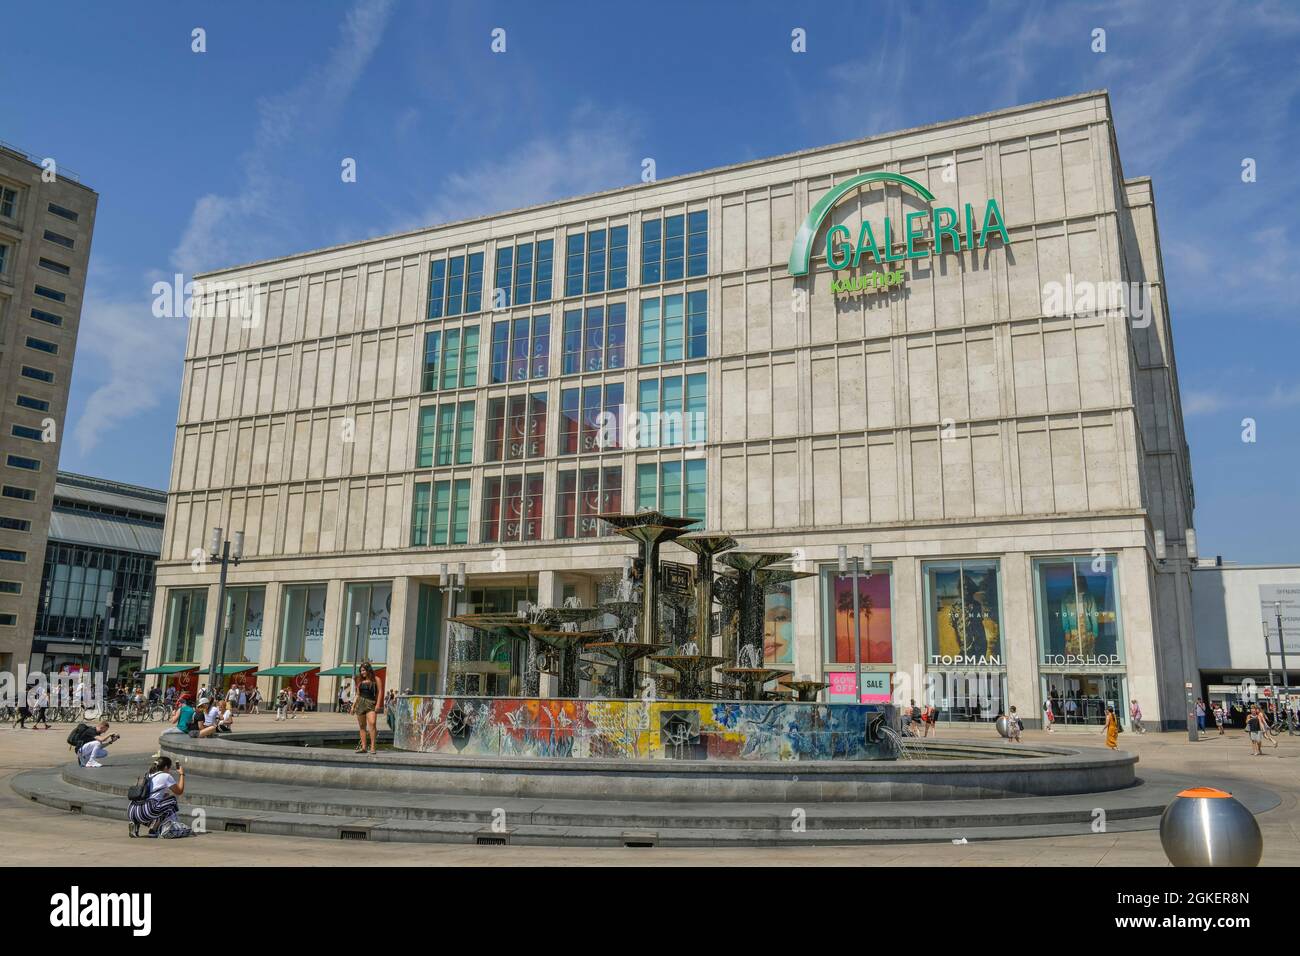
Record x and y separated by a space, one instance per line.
858 343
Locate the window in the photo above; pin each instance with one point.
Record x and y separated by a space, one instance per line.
41 345
18 557
38 404
8 202
53 294
245 612
15 524
446 435
53 266
8 620
516 428
1077 601
182 634
59 239
449 520
591 418
371 604
521 349
512 508
4 259
11 587
594 340
302 624
27 464
420 514
62 212
963 624
876 645
672 410
22 494
456 285
583 495
503 284
674 247
49 317
669 336
673 487
451 358
26 431
599 257
542 272
38 374
523 274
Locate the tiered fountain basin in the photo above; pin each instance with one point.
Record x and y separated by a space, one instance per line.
639 730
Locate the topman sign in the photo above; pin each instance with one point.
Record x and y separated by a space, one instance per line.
924 233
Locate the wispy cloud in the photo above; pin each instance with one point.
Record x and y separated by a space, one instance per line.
251 223
595 151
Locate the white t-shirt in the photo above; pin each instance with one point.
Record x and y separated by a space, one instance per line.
211 717
161 781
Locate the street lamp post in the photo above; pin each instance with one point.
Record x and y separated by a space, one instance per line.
851 568
450 588
1281 645
1268 656
222 550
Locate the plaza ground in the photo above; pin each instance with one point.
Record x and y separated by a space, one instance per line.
38 836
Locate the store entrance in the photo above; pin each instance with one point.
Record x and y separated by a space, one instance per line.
1082 698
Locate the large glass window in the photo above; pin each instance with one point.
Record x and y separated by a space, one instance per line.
446 435
440 513
583 495
244 624
186 609
675 487
778 624
521 349
302 624
674 327
591 419
963 623
455 285
373 605
672 410
1078 611
574 260
697 243
516 428
595 261
594 339
875 617
512 508
674 247
450 358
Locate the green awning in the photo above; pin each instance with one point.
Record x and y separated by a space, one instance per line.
287 670
344 671
171 669
228 669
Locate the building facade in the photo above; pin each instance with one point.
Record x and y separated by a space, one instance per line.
862 343
46 221
104 539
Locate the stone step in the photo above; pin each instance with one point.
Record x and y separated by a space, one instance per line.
49 788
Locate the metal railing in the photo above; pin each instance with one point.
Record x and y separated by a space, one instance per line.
64 172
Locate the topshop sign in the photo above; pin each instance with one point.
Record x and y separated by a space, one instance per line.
923 233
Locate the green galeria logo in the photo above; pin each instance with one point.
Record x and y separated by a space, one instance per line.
947 228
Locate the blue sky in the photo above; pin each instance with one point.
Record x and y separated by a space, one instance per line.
206 160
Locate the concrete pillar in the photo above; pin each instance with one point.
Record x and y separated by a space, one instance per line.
332 647
402 620
1140 636
549 594
907 615
1019 639
808 653
269 653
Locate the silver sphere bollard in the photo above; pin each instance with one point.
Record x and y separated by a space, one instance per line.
1208 827
1003 726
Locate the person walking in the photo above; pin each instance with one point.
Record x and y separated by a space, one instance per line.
42 704
1255 730
1135 716
158 810
255 701
1112 728
1200 717
1218 717
367 706
1049 718
282 705
1014 726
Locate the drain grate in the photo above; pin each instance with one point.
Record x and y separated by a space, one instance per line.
490 841
354 834
74 808
233 826
634 840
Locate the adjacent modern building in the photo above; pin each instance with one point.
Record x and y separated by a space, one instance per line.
949 342
1247 630
97 586
46 221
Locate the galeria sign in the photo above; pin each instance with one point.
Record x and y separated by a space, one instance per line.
947 230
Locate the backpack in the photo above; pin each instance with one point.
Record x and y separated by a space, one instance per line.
138 792
81 733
